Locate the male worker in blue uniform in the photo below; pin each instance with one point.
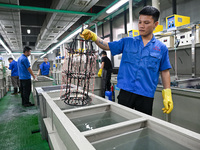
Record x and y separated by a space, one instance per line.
44 67
143 57
25 73
14 75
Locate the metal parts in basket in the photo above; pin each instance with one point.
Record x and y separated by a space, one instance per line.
79 69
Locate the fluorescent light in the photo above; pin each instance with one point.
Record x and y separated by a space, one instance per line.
28 31
4 45
8 50
16 53
36 53
116 6
65 40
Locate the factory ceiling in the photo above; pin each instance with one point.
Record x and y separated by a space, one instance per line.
46 28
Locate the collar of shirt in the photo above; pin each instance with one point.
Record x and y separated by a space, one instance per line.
23 55
152 40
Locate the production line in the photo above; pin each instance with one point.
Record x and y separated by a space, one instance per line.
98 74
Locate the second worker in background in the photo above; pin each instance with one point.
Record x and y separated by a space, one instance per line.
44 67
105 71
14 75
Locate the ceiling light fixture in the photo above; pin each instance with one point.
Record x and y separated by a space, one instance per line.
4 45
7 49
65 39
116 6
28 31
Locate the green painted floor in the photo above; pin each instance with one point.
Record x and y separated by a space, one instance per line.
17 124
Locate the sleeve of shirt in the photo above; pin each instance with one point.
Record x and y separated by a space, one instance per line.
41 66
10 66
103 59
116 47
49 65
165 63
26 63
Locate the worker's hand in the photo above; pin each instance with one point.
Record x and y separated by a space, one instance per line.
6 66
35 78
87 34
167 101
100 73
37 74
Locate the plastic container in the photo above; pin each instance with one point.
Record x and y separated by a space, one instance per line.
108 95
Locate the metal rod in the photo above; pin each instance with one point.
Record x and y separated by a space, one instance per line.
174 6
131 14
52 120
49 10
175 59
111 39
193 51
125 22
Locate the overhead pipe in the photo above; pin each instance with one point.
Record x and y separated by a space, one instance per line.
193 51
48 10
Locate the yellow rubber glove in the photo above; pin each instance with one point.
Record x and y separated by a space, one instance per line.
167 101
100 73
87 34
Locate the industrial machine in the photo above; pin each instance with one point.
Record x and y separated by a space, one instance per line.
168 41
133 33
174 21
159 28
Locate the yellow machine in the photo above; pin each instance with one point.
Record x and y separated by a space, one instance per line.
159 28
176 21
133 33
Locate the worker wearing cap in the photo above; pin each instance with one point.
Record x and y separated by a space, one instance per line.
143 58
105 71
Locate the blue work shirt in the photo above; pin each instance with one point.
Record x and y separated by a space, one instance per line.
13 68
23 65
139 68
45 68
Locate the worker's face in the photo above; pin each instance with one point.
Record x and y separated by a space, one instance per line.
10 61
28 53
103 55
45 60
146 25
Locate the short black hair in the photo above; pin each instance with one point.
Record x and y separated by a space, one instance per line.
10 58
26 48
150 11
104 53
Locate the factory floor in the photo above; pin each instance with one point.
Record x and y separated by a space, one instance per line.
17 124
